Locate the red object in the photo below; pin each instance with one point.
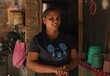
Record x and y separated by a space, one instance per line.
93 4
19 54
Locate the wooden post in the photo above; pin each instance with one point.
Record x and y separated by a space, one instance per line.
80 14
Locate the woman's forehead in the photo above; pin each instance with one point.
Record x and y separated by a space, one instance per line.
53 13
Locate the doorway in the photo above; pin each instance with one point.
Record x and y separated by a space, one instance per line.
69 9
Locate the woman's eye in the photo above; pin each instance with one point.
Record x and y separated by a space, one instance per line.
54 19
51 18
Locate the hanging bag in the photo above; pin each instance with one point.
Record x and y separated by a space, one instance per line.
19 54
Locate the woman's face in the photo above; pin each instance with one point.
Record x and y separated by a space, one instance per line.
52 20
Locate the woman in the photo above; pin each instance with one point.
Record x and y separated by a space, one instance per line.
52 53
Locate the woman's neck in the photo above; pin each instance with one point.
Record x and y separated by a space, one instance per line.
52 33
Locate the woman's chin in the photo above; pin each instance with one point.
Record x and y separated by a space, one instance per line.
55 27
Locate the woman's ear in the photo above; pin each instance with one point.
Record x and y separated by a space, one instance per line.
43 20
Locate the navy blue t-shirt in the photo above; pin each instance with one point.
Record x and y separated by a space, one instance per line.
54 52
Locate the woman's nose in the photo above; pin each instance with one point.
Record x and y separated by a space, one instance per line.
56 19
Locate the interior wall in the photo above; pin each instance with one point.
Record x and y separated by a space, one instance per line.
32 19
96 26
4 4
4 28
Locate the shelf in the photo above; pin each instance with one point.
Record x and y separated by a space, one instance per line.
92 71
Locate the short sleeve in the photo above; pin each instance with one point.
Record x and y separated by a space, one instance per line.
33 45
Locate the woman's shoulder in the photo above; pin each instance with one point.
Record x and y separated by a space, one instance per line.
39 36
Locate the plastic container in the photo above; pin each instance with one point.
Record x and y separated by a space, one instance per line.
97 60
92 50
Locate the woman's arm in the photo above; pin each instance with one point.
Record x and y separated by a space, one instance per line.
34 65
72 65
74 60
